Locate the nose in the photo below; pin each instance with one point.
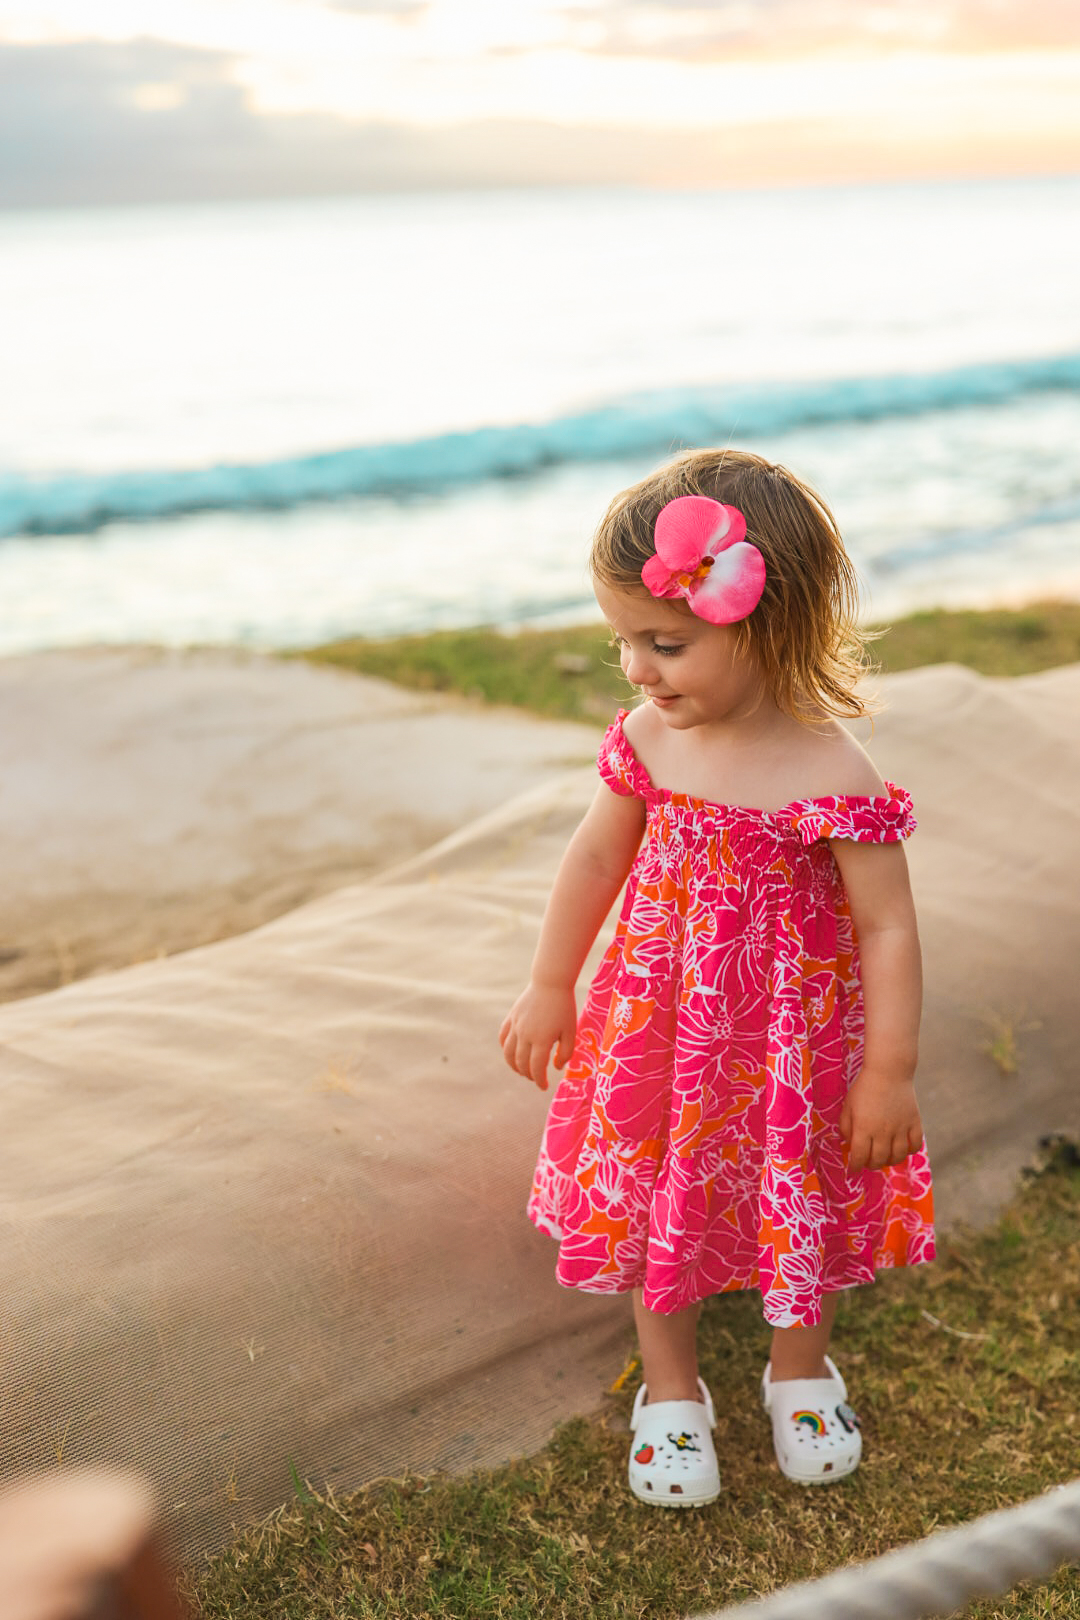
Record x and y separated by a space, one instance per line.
638 667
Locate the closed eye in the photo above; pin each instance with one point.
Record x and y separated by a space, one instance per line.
620 641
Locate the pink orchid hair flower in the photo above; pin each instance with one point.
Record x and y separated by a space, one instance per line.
703 555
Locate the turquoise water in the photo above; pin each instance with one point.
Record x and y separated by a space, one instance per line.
269 423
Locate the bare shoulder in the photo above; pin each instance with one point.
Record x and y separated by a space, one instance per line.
643 727
837 763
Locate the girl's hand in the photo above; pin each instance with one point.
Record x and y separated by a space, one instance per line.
880 1119
542 1016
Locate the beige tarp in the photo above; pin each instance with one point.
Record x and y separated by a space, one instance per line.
263 1202
153 800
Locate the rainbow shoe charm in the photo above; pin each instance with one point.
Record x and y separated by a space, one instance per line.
817 1436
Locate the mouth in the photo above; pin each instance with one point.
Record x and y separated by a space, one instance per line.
664 702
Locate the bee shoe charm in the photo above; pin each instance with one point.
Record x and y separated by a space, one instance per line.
672 1460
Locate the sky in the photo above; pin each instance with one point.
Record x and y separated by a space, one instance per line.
137 101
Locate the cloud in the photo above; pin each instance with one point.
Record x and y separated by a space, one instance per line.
695 30
95 123
397 9
101 123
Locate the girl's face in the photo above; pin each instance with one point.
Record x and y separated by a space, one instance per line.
688 667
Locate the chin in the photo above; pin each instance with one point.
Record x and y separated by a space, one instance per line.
679 719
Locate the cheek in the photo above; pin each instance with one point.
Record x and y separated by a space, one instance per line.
704 675
714 662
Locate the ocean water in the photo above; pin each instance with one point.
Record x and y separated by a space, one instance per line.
273 423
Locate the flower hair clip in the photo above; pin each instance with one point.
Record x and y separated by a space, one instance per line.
703 555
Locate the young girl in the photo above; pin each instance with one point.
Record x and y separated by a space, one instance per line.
722 1122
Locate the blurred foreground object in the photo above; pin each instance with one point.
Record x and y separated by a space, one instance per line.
936 1575
83 1546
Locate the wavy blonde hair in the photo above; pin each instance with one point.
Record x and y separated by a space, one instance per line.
805 629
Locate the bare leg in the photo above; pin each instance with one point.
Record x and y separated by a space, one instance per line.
799 1352
668 1351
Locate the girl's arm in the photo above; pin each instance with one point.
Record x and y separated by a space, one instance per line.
593 870
880 1117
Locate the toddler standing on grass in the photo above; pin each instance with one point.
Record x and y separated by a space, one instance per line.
725 1120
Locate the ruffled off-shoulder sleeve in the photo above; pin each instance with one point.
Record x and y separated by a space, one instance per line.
619 766
871 820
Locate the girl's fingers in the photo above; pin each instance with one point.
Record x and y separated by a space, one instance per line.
538 1065
883 1150
890 1149
504 1029
525 1058
905 1143
875 1151
870 1156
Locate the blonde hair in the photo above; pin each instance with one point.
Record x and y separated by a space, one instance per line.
805 630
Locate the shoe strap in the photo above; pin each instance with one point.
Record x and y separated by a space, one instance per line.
639 1401
657 1417
641 1398
805 1391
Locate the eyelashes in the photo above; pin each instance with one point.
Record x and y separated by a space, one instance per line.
664 652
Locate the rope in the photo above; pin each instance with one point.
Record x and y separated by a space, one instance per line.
936 1576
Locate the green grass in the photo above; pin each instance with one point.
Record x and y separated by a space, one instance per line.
523 670
954 1427
538 669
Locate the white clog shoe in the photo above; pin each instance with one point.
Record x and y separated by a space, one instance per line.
816 1434
672 1459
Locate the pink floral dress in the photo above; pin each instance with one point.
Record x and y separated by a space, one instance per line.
693 1144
